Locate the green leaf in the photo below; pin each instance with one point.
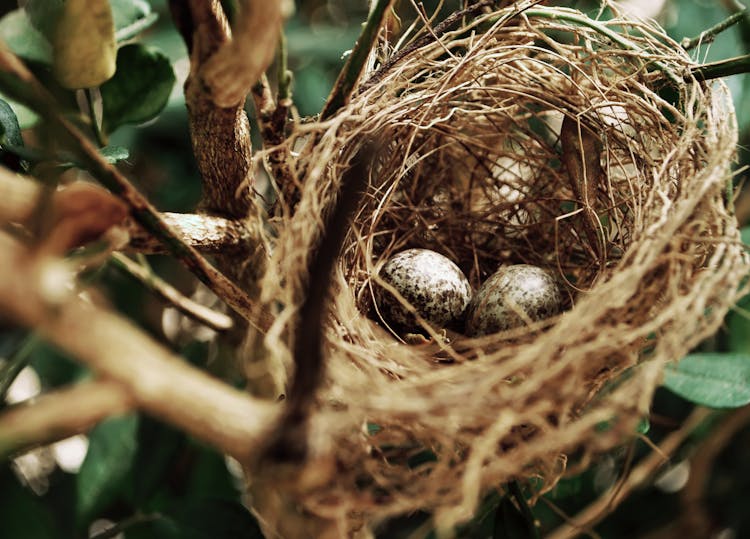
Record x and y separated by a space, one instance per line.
114 154
131 17
510 522
108 463
216 519
10 134
22 514
23 38
43 14
711 379
140 88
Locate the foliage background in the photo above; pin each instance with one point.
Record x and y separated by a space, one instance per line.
154 481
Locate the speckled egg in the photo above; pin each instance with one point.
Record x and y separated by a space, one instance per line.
435 286
497 304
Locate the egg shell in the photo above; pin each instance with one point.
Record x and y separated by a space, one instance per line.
434 285
495 306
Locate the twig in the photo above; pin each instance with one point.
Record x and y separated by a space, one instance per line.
18 82
126 524
284 76
290 443
60 414
722 68
159 382
215 320
603 506
354 65
707 36
96 125
206 233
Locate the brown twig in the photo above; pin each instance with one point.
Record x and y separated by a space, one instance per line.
159 382
17 81
210 318
60 414
206 233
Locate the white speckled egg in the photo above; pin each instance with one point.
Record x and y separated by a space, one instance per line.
522 287
435 286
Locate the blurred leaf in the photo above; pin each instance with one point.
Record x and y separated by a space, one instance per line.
510 522
22 514
43 14
10 133
109 461
54 367
210 478
216 519
738 325
131 17
158 449
83 44
710 379
643 426
23 39
140 88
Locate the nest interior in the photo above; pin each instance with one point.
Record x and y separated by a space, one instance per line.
537 136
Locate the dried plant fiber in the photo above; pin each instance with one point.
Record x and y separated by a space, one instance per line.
472 165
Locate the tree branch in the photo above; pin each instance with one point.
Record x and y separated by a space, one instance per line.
18 82
214 320
60 414
220 135
206 233
158 381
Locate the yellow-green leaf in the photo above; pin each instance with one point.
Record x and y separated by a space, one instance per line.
84 45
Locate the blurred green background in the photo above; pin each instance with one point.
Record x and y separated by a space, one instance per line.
153 481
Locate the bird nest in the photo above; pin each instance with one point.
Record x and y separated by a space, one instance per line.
540 137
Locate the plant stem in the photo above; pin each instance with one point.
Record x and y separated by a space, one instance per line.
284 75
144 275
707 36
354 65
101 137
722 68
125 524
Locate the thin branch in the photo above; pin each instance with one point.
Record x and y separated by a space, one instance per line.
60 414
126 524
722 68
707 36
290 443
159 382
355 64
206 233
18 82
13 366
214 320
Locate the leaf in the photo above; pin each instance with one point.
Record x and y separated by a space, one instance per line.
10 134
109 461
44 14
711 379
83 44
216 519
131 17
23 38
159 447
22 514
510 522
114 154
140 88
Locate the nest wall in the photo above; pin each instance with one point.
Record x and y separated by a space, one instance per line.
471 163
